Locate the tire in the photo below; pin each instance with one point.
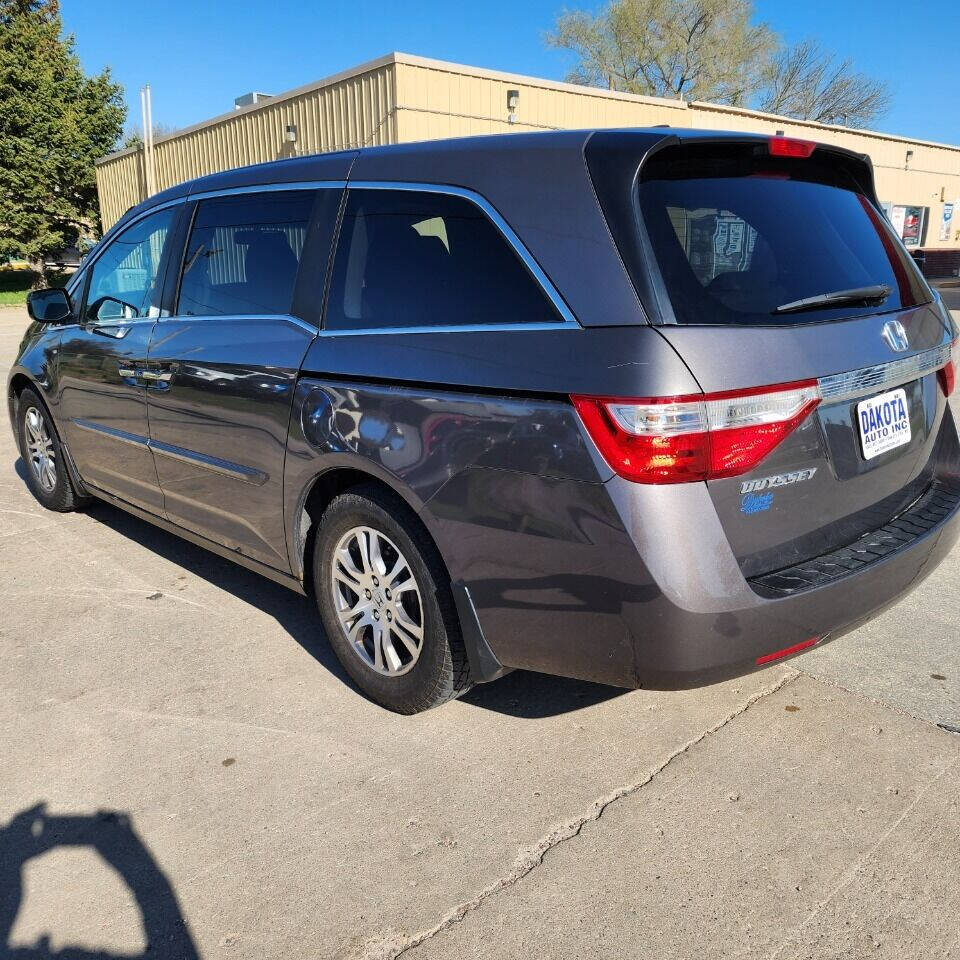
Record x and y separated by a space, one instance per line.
401 673
47 474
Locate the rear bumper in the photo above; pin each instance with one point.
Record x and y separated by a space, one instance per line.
637 586
710 623
693 647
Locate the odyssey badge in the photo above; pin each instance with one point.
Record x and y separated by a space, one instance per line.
779 480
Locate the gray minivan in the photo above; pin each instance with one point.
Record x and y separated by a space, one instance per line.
643 407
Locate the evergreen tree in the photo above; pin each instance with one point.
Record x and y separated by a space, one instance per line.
54 122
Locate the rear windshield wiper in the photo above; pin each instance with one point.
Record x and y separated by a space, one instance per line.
874 294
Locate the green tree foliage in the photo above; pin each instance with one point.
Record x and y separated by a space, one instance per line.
54 122
684 49
713 50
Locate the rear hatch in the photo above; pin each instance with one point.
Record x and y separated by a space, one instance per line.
768 262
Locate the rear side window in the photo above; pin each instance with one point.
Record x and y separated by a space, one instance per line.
413 259
244 253
737 235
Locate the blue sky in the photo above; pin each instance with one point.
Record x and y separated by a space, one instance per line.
197 56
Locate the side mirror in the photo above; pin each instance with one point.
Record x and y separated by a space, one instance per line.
49 306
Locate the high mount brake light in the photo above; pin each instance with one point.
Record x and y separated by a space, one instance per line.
789 147
698 437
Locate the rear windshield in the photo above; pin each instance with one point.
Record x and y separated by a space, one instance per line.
737 235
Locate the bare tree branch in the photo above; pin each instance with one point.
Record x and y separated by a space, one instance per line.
809 83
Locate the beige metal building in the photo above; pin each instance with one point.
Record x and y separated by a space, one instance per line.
400 98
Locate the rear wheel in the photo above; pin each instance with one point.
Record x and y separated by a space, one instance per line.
47 473
385 600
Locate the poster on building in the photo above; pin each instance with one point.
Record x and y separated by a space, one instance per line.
912 226
947 222
897 215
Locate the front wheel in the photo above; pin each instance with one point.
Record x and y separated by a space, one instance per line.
40 447
386 604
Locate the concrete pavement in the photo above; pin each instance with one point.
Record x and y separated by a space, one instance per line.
183 721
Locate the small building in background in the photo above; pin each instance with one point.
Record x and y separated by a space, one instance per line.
401 98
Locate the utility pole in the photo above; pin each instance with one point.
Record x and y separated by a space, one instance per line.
146 112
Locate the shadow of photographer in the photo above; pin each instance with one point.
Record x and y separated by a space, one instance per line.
33 832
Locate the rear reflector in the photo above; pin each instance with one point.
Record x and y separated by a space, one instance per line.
788 147
787 651
699 437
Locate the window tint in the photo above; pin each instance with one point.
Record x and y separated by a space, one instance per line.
413 259
124 281
243 254
736 239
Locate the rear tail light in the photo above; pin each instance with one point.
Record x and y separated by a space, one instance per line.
699 437
789 147
948 377
948 374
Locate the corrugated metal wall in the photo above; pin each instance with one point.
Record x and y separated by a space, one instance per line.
351 110
436 100
401 98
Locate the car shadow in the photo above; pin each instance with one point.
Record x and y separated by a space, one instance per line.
296 614
33 832
535 696
519 694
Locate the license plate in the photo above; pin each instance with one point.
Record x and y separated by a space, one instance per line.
884 423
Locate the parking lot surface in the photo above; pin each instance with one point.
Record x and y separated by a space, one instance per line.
185 768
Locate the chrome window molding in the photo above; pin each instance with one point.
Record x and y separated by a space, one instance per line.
451 328
246 317
122 224
269 188
544 282
567 321
856 383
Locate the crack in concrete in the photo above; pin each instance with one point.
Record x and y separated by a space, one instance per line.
528 860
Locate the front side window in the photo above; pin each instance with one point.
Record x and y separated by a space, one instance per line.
243 254
408 258
125 281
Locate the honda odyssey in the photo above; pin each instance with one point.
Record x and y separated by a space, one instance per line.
650 408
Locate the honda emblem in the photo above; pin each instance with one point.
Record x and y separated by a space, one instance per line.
895 336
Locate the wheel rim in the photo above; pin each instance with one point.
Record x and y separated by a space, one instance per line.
377 601
40 450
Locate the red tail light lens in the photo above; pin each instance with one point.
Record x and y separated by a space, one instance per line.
948 378
789 147
699 437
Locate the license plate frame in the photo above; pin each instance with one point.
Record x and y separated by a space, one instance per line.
883 422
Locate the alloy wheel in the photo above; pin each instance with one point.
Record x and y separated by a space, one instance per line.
377 600
40 450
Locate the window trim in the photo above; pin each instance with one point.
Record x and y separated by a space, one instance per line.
80 304
194 200
567 320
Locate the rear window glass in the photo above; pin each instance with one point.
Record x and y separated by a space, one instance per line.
408 258
738 236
